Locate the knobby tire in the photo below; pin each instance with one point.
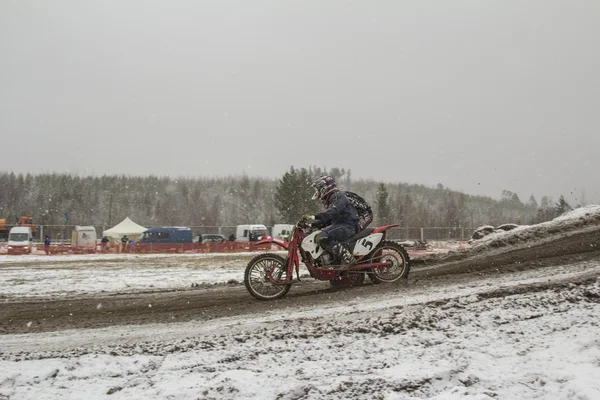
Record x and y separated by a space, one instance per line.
257 281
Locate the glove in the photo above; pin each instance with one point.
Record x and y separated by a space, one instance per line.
306 220
308 217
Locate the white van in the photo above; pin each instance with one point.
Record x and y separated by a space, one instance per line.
281 231
250 233
20 240
83 239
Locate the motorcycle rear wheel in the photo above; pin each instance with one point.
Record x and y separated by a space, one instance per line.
256 277
398 258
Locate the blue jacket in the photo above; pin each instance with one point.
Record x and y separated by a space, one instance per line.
339 211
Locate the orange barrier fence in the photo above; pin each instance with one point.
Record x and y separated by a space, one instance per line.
211 247
198 248
146 248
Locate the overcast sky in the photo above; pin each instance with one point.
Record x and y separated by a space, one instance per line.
477 95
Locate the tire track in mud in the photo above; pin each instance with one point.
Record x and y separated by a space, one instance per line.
203 304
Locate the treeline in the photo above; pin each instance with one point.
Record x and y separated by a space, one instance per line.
65 199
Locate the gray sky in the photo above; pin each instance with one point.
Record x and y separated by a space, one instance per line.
477 95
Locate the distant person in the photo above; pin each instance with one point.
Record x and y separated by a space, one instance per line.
124 242
104 242
47 244
231 243
131 246
265 236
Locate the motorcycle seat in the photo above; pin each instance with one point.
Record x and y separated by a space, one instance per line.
364 233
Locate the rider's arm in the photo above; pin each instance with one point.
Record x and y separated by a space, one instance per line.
335 207
319 224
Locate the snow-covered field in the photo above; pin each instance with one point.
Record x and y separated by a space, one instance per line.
449 343
43 276
68 275
520 335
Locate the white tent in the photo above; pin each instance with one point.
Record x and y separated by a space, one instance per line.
126 227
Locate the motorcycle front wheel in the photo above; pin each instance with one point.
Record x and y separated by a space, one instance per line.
396 257
258 273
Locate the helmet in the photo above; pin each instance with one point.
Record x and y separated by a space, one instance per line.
324 186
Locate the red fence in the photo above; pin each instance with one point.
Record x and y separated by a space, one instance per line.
211 247
146 248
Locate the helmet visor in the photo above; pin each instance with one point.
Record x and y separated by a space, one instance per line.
316 195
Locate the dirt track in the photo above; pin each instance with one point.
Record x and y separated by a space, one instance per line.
202 304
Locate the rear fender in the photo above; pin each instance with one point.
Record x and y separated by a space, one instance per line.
384 228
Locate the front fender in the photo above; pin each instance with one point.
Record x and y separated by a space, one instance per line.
281 243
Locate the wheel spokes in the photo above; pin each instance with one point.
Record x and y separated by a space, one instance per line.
260 276
394 260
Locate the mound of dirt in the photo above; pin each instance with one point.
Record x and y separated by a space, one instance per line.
482 231
574 232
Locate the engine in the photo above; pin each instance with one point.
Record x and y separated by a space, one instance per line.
324 260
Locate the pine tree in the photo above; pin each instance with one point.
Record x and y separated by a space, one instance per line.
562 206
515 198
293 195
383 207
532 202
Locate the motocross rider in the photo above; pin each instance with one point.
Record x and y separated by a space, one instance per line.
340 218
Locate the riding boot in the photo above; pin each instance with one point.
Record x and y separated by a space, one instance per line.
343 254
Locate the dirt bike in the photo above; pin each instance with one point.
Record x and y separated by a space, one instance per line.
269 276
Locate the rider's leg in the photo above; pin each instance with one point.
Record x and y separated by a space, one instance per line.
331 237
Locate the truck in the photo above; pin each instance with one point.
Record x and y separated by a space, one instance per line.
250 232
25 221
281 231
83 239
20 240
28 222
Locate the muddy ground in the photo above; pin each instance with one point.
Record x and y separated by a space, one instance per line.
201 304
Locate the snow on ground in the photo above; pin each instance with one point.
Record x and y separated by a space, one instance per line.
450 342
33 276
55 276
455 341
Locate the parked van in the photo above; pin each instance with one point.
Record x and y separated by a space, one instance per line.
281 231
83 239
20 240
250 233
167 238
